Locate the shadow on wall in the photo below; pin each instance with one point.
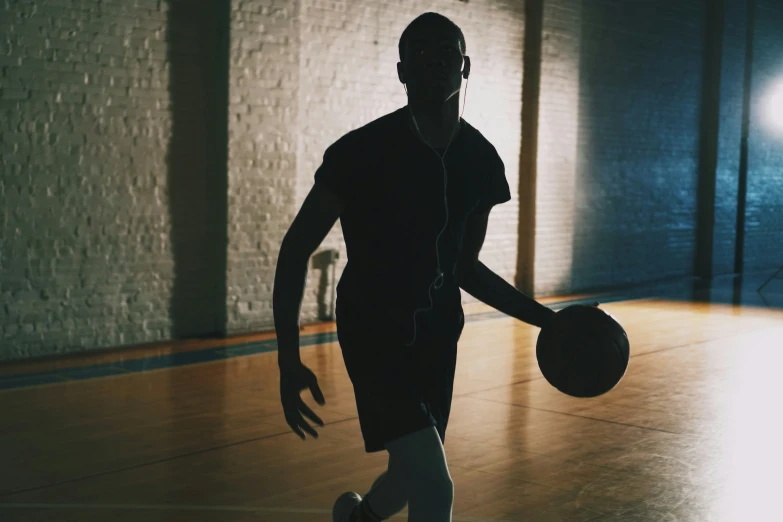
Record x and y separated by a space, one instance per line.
198 35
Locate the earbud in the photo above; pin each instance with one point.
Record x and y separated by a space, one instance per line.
439 280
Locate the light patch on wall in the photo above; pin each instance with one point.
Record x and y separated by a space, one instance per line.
772 108
557 156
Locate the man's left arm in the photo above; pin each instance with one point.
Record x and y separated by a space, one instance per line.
488 287
485 285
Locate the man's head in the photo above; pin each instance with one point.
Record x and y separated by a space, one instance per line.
432 53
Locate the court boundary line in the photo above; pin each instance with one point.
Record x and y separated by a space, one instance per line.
218 508
222 353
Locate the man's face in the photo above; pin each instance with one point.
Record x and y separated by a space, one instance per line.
432 64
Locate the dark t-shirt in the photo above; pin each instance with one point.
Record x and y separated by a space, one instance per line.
393 188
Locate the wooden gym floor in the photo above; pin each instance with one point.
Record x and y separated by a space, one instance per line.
194 431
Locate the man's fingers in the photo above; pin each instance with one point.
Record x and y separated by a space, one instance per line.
297 424
296 430
317 394
310 413
294 406
308 429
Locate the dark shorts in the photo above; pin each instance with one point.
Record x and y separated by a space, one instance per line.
399 390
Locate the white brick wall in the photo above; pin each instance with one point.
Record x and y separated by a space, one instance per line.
83 125
89 237
103 243
347 54
263 134
350 54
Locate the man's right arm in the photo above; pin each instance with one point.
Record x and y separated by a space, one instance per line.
315 219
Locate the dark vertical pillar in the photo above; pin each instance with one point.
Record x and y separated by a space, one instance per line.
218 160
742 192
197 179
708 146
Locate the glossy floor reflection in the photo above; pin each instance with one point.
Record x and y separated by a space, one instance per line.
692 432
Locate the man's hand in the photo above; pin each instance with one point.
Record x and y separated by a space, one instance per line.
293 380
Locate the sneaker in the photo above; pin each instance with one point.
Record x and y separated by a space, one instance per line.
345 506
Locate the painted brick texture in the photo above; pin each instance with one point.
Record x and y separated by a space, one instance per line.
618 149
349 81
264 82
115 230
84 123
109 228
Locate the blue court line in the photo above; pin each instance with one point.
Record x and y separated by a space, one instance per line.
159 362
322 513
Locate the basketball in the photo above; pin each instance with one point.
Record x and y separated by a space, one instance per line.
583 351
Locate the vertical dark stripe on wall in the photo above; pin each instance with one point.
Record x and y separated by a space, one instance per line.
218 182
708 146
531 85
197 178
742 192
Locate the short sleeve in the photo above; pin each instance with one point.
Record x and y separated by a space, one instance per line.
336 170
495 190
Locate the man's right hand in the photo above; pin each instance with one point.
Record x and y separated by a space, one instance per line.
293 380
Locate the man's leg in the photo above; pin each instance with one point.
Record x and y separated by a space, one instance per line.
386 497
418 471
